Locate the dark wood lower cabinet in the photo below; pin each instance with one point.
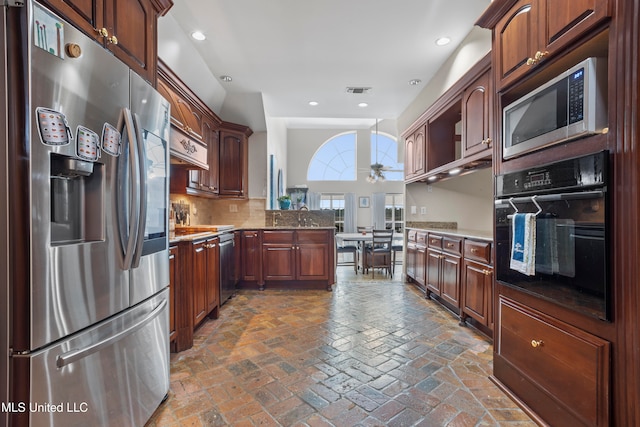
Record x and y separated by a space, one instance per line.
288 258
174 284
560 372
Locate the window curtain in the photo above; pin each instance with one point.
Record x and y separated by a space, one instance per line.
377 210
313 201
350 213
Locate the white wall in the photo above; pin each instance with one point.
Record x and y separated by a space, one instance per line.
257 165
277 145
468 199
303 144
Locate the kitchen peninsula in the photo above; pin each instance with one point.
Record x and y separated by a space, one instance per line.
274 257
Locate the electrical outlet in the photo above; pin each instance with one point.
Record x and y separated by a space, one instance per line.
233 208
414 210
423 210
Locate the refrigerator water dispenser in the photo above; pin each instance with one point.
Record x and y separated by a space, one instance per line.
76 200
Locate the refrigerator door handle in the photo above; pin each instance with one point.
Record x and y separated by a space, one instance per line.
134 210
142 186
74 355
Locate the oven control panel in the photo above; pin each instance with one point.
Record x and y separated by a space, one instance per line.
576 174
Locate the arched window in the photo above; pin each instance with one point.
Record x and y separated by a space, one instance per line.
384 150
335 160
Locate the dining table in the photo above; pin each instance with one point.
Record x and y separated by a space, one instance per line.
363 238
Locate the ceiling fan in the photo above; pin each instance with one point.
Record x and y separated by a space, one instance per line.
376 171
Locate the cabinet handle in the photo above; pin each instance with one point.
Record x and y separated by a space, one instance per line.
539 55
450 245
536 343
102 32
531 61
113 40
474 251
487 141
486 272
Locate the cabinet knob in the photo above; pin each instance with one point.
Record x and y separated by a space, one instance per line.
536 343
487 141
486 272
531 61
539 55
102 32
474 251
113 40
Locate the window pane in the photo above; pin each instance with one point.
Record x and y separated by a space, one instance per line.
335 160
384 150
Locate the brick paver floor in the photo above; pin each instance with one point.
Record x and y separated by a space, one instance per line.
370 353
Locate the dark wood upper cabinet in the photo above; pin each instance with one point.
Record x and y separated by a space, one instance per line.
233 160
476 116
533 31
128 28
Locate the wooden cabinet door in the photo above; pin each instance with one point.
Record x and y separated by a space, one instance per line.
420 151
421 266
213 276
133 35
87 15
199 265
312 261
410 260
409 152
450 279
566 21
476 122
279 261
233 164
212 136
433 271
174 277
477 292
515 41
251 256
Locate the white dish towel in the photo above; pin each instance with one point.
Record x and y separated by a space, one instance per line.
523 244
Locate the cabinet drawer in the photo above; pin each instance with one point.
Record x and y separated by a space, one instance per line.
452 245
277 236
412 235
421 238
478 251
435 241
561 360
312 236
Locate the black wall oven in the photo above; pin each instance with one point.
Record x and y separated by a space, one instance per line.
571 246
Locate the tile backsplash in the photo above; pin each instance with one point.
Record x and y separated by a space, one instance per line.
241 213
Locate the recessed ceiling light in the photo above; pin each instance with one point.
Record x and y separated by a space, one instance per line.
226 79
363 104
313 103
415 82
443 41
197 35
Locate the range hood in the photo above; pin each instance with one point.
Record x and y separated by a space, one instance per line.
186 151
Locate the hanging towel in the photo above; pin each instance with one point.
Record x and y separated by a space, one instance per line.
523 245
546 245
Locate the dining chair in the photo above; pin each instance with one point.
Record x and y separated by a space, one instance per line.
348 248
378 255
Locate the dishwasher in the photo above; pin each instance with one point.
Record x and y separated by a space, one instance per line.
227 267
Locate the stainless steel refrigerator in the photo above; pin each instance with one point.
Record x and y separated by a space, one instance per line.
84 327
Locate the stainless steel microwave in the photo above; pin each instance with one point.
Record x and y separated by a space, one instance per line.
571 105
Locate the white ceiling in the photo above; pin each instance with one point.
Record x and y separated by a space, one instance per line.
285 53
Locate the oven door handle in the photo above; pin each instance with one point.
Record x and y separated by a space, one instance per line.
554 197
